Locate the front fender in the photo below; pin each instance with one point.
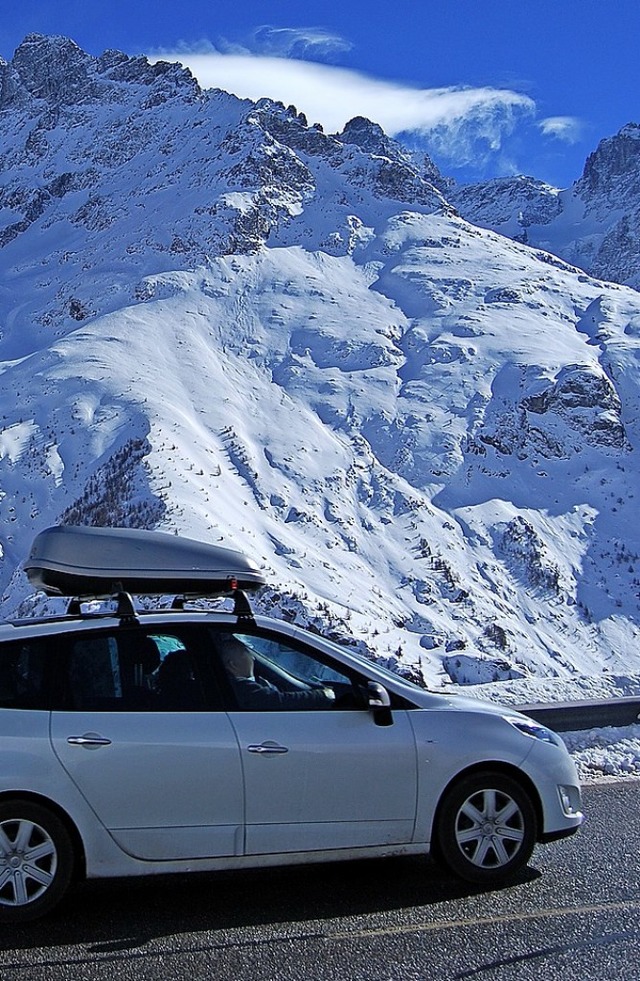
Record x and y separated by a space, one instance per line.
449 743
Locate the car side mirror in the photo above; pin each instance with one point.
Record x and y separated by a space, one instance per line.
379 703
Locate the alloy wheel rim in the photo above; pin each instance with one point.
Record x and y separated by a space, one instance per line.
28 862
490 829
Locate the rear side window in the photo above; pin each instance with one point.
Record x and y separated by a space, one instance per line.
23 675
132 671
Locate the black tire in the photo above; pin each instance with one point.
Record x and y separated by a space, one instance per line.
486 828
36 860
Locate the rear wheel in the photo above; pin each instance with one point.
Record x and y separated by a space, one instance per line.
36 860
486 828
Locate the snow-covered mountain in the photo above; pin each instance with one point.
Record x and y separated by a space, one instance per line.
594 224
219 320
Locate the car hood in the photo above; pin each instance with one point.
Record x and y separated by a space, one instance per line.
451 701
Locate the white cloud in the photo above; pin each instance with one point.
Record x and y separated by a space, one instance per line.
314 43
459 122
565 128
305 43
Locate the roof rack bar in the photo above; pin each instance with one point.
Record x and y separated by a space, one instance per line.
125 608
126 611
241 606
74 607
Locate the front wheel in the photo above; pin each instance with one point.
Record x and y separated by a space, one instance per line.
486 828
36 860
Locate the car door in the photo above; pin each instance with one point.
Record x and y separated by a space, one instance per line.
136 731
319 774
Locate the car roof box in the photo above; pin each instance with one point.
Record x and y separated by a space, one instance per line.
82 561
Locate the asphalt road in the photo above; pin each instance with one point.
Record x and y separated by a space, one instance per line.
573 915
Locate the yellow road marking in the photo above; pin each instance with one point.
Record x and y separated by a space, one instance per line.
435 925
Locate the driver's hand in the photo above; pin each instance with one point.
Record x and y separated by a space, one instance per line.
330 694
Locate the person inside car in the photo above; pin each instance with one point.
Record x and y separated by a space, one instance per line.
257 693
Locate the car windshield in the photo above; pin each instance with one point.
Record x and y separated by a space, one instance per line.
382 669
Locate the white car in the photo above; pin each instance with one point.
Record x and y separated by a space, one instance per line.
144 743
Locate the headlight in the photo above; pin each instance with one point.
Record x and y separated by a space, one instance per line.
530 728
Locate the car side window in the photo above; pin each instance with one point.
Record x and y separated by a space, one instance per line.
23 674
133 671
265 672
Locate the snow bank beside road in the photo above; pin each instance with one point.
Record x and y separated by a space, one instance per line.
575 688
608 752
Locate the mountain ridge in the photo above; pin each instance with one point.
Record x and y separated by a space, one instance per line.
594 224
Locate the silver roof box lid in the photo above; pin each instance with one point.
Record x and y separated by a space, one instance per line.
83 561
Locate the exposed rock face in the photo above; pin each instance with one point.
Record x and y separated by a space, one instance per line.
369 136
587 402
510 204
55 69
610 190
383 165
612 172
579 409
524 551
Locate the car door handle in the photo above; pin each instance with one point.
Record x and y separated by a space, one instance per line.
268 748
89 739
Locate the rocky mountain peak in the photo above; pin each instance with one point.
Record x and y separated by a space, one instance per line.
595 224
511 203
53 68
392 174
170 77
57 71
616 160
371 137
94 124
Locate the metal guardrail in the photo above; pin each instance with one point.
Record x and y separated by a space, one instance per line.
588 714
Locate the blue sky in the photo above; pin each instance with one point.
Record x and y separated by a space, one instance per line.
488 87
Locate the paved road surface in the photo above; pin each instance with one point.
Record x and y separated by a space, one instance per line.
574 915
